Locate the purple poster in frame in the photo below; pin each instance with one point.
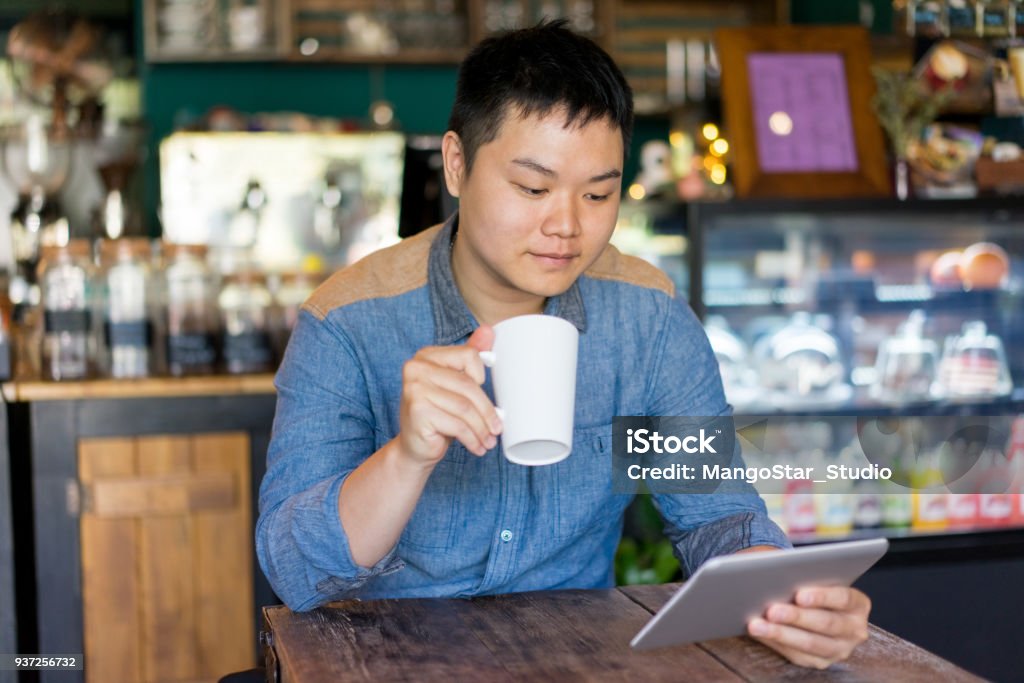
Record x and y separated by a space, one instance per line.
802 118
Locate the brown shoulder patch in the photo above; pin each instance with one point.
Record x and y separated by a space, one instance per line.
389 272
614 265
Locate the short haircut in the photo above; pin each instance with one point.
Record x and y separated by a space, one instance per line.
533 71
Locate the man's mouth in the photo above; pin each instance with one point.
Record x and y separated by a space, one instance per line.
556 256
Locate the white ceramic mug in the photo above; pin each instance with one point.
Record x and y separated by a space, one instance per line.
533 367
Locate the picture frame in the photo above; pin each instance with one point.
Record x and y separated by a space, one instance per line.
798 112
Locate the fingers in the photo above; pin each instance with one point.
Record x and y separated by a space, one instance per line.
471 428
464 358
449 403
443 422
834 624
465 398
839 598
482 338
824 627
793 655
442 399
798 645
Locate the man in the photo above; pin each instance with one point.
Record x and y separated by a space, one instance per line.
384 478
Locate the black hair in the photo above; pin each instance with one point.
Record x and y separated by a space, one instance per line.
532 71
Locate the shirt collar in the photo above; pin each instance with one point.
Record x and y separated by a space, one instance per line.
452 319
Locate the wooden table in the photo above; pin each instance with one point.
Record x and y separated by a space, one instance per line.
544 636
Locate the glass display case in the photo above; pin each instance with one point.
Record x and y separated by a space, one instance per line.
830 316
864 306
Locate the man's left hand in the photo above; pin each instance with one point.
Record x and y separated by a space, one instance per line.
822 626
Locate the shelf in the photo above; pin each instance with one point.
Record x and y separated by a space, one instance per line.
883 297
865 407
213 385
999 207
349 31
331 55
902 532
165 56
908 547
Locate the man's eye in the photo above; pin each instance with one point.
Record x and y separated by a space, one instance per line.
598 197
533 192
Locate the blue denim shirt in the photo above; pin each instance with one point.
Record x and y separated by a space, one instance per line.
482 525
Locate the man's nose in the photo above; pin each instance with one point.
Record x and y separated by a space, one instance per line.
563 221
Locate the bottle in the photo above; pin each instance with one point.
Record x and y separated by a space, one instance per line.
6 328
927 19
1015 454
929 496
835 513
962 18
293 291
897 505
245 306
962 501
995 18
799 508
775 505
835 508
866 495
125 281
65 279
963 510
995 501
867 511
191 318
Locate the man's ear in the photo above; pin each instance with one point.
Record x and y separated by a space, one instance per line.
454 162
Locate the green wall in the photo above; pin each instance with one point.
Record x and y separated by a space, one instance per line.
422 94
842 12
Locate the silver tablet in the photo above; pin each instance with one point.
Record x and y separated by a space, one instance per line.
727 592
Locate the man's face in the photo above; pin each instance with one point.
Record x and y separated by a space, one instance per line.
538 207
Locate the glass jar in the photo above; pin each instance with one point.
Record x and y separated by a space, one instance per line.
906 366
974 365
801 364
245 305
65 275
125 281
293 291
190 302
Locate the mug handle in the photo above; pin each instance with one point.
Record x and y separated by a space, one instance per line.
489 359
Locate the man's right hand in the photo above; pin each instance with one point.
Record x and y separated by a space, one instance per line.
442 400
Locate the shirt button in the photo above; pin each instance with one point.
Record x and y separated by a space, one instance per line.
506 535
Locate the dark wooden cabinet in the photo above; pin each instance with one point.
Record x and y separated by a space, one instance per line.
8 642
141 511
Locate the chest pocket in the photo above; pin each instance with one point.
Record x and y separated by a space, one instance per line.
582 498
431 526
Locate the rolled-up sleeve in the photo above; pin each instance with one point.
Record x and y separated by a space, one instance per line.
323 430
686 382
